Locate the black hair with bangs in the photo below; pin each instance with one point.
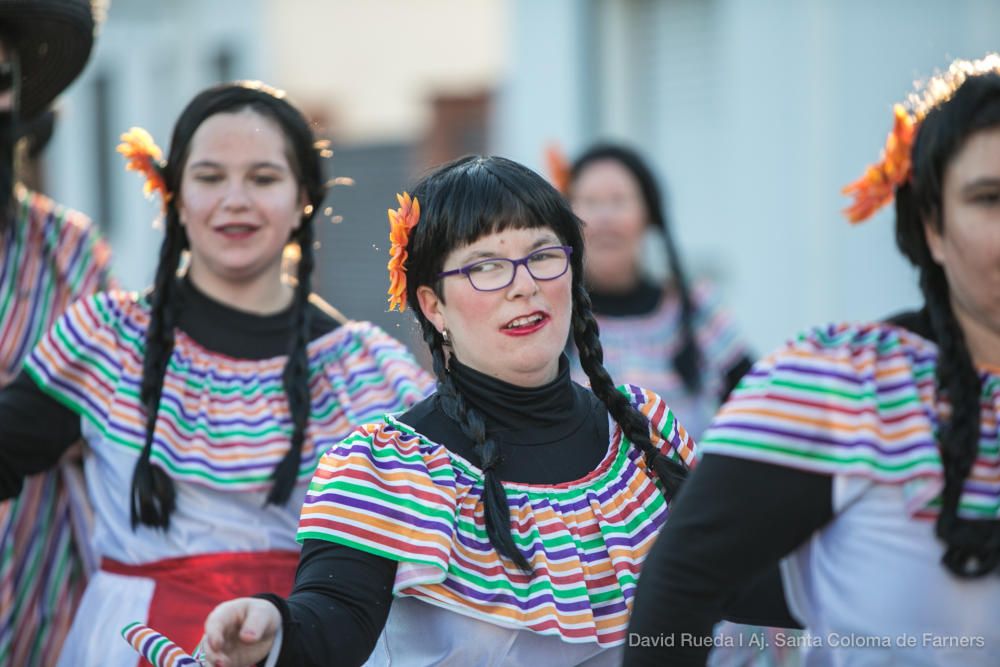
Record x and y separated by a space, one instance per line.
460 203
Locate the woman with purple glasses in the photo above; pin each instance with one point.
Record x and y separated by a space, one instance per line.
503 520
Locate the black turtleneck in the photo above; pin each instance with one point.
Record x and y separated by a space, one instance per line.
641 299
36 429
551 434
554 433
241 334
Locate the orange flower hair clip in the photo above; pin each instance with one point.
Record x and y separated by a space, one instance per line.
144 156
878 185
401 222
558 167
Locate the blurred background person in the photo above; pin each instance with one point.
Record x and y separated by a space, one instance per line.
658 330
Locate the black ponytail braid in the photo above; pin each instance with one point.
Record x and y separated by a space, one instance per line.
633 423
957 105
295 377
495 507
973 547
153 494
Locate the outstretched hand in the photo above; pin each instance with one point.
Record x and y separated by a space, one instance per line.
240 633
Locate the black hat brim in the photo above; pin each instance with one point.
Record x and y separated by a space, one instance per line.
53 40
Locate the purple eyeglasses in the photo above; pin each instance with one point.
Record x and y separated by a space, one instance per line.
488 275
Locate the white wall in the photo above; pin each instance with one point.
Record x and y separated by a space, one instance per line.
375 64
545 80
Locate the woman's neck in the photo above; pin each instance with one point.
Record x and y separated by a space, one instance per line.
614 282
982 337
511 406
263 295
643 299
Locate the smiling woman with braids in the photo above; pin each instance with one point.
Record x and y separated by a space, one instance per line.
866 456
208 401
503 520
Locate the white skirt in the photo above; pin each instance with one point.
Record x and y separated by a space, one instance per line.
110 602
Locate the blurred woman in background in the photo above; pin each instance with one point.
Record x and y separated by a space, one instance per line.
658 330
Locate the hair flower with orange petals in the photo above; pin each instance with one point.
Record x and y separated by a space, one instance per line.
878 185
558 167
401 222
144 156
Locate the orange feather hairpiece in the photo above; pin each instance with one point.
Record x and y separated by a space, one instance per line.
401 223
877 186
142 155
558 167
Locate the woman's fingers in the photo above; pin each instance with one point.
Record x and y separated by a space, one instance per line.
225 620
258 622
240 632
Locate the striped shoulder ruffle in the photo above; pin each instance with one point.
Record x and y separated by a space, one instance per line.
641 348
659 331
857 400
390 491
376 372
79 360
223 422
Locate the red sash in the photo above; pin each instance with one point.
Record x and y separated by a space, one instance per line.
188 588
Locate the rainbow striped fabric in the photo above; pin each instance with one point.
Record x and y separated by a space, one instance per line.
390 491
223 422
859 400
51 256
156 648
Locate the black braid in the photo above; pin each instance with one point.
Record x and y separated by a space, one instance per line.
972 545
687 361
495 508
633 423
153 492
295 376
